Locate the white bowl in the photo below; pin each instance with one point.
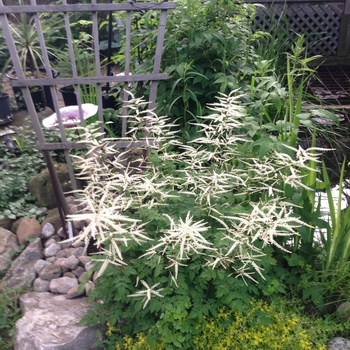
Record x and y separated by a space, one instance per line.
70 115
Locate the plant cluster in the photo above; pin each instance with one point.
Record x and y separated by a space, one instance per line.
259 325
173 235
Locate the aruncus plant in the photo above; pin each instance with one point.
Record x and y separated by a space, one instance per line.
215 199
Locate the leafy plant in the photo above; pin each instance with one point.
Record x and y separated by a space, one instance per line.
171 237
9 314
259 325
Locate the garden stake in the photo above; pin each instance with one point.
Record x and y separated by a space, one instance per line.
61 201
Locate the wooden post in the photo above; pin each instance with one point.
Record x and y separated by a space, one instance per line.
344 33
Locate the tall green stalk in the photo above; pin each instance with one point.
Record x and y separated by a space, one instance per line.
337 243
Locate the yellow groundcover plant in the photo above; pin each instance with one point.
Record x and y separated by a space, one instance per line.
259 326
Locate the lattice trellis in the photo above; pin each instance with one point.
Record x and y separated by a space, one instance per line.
320 23
128 7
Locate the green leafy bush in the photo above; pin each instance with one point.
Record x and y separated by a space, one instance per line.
171 238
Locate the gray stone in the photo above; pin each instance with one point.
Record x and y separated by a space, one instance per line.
51 259
343 311
48 230
338 344
68 251
41 285
79 224
84 260
49 242
79 244
50 322
8 242
66 244
82 277
74 293
61 254
70 200
53 217
69 274
88 266
40 264
52 249
50 272
62 285
78 271
61 233
80 251
22 272
60 262
71 262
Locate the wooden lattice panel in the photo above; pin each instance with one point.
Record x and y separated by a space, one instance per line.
320 23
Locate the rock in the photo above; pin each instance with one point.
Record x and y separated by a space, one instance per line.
51 259
41 185
8 242
74 293
22 273
66 245
6 223
50 272
62 285
52 249
48 230
68 251
41 285
49 242
338 344
50 322
60 262
61 254
53 217
70 200
40 264
79 244
89 286
28 228
82 277
343 311
69 274
71 262
84 260
88 266
80 251
78 271
61 233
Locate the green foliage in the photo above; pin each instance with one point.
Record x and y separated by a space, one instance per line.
258 325
16 169
207 50
9 314
197 215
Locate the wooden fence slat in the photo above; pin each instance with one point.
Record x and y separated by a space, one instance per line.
130 6
91 80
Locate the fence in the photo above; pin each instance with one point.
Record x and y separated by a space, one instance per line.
94 8
325 24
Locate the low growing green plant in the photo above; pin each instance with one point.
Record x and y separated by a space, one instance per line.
280 325
9 314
